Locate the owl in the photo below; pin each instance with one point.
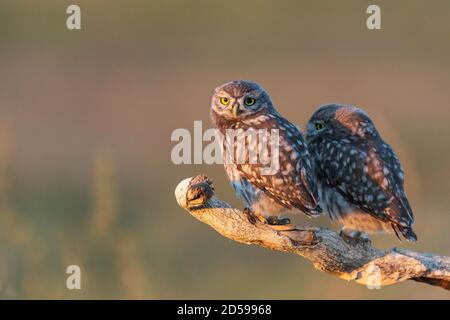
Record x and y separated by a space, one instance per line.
244 106
359 176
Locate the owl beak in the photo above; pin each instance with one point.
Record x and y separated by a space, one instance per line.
236 110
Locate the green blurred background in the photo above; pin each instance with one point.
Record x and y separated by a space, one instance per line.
86 116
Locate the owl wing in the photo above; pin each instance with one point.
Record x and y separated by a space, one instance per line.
371 178
291 184
399 206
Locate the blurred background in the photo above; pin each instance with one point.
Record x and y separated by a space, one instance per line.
86 116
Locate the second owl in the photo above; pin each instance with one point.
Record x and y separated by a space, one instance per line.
359 175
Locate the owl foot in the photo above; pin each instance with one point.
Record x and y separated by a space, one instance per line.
280 224
254 216
277 221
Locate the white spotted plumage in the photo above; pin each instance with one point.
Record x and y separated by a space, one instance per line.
359 175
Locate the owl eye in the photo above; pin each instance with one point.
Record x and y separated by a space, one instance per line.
249 101
319 125
225 101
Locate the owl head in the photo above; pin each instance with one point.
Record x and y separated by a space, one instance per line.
239 99
340 121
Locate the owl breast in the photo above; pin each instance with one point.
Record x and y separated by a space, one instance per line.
255 199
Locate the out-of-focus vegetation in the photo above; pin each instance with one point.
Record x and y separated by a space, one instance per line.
86 116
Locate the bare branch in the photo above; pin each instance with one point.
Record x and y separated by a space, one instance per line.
347 258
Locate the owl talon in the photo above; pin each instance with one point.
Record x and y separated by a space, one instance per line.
258 216
280 224
278 221
262 219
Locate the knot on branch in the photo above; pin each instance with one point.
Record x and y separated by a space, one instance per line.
200 190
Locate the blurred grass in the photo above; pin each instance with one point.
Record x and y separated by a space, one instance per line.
86 117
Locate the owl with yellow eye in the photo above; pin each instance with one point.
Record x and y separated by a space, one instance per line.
244 105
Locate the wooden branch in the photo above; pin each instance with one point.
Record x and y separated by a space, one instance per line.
347 258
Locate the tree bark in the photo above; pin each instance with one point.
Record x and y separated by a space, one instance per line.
348 258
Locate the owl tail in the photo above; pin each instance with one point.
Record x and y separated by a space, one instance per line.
406 232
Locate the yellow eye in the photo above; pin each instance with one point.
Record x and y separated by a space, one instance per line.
319 126
225 101
249 101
